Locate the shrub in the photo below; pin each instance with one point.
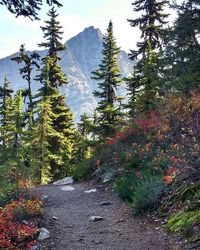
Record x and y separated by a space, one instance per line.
15 193
81 171
25 209
16 235
6 193
147 194
125 187
142 190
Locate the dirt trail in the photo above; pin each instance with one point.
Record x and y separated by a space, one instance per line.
118 230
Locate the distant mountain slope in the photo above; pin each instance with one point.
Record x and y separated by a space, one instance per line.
82 56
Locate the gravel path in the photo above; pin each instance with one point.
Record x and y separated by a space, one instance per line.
118 230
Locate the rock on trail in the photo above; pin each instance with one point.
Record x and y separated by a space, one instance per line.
118 230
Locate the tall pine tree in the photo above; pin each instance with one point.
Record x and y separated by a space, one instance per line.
133 84
29 62
6 112
61 144
17 122
41 135
36 140
108 78
151 25
84 141
182 55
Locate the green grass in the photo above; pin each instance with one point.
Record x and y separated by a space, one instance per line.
184 222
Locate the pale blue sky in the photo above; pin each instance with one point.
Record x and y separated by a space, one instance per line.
75 15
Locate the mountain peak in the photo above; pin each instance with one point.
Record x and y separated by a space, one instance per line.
91 29
89 33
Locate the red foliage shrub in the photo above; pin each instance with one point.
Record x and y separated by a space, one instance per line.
121 135
149 121
174 159
15 235
171 170
167 179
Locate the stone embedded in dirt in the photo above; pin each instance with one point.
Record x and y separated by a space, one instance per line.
44 234
80 239
97 242
90 191
106 203
68 226
55 218
25 222
96 218
44 197
100 187
118 221
67 188
64 181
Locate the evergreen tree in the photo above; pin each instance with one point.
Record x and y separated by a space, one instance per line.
151 25
11 131
63 146
46 90
41 134
6 113
11 124
26 8
94 126
53 35
108 78
133 84
36 139
61 141
17 122
63 121
29 62
83 141
182 55
84 126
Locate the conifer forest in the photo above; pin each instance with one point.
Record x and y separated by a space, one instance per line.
143 143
